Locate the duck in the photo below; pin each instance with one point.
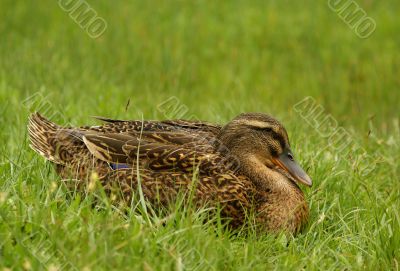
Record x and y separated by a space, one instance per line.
243 167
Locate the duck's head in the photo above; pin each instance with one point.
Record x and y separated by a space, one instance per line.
261 142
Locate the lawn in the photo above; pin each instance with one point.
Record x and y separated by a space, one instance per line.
211 60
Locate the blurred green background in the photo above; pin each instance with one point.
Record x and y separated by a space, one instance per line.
218 58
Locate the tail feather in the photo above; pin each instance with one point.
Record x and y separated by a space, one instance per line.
42 133
57 144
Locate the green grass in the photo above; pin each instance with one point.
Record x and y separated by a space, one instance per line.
219 59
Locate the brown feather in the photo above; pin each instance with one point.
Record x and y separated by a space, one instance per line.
171 154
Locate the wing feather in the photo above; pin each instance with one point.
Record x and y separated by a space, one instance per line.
156 151
108 147
125 126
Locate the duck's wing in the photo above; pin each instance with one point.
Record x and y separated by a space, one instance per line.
202 126
155 150
126 126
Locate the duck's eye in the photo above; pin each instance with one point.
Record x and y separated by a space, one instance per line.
290 156
263 129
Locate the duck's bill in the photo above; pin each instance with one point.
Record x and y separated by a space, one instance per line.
291 166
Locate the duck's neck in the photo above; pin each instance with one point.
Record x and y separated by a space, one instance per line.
280 203
267 179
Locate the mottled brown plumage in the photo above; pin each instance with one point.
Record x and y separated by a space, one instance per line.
244 166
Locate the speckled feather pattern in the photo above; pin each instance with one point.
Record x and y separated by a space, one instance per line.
168 155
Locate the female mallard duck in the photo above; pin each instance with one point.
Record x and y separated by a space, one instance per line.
245 165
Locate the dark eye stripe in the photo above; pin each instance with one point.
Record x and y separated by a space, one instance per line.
266 129
279 138
274 152
275 135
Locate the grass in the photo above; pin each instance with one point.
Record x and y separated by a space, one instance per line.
219 59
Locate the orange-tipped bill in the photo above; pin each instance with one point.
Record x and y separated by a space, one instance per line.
287 163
